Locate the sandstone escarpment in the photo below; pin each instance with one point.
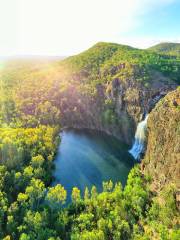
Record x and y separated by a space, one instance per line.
162 158
116 108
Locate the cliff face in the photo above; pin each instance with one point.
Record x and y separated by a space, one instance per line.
162 158
116 108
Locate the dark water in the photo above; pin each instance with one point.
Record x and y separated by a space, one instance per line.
87 158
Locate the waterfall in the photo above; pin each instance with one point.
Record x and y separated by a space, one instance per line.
140 137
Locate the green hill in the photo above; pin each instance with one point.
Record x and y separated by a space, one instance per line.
104 59
30 87
167 47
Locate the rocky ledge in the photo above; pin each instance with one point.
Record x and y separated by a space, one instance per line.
162 158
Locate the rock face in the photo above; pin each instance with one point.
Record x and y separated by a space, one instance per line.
116 108
101 112
162 158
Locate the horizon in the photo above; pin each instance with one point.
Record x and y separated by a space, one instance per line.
63 57
66 28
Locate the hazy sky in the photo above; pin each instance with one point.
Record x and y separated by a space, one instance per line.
65 27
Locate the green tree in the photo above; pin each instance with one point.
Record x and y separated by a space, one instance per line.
36 192
76 196
37 161
56 195
3 211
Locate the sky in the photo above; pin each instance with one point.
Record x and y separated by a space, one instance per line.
67 27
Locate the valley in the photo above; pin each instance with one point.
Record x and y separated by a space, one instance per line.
83 183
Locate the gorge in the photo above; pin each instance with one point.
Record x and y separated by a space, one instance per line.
87 158
97 100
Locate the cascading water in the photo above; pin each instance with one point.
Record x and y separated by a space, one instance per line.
140 137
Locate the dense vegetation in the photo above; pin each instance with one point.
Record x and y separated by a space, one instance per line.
168 48
33 100
30 210
34 92
104 61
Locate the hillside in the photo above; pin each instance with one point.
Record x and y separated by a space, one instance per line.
167 48
104 61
